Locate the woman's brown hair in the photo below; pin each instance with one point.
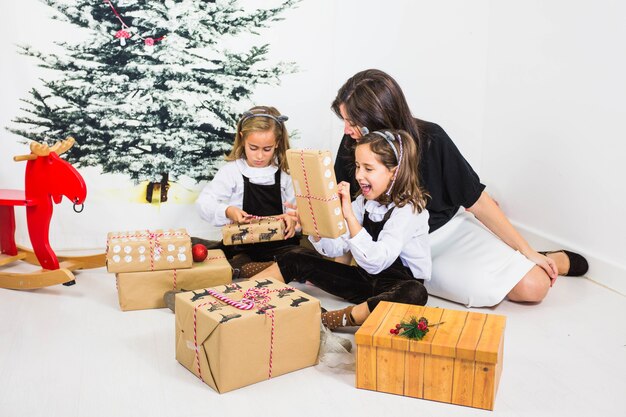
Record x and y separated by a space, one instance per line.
397 150
262 119
373 99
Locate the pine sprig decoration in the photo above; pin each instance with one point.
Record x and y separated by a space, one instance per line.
414 329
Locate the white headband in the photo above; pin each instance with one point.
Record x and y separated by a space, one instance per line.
390 138
249 115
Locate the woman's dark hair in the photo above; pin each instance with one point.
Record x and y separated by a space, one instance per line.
373 99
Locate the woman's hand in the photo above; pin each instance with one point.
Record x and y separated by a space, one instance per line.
545 263
490 214
237 215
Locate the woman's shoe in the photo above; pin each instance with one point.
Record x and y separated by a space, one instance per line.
578 265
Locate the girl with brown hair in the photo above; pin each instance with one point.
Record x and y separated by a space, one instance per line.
387 234
255 181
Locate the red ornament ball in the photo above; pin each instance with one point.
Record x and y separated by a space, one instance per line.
199 252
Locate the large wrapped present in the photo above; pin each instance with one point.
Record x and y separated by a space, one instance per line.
263 229
458 361
148 250
143 290
239 334
315 186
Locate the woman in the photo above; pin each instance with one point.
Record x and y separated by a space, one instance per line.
470 265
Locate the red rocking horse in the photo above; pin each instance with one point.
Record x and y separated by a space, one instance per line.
48 179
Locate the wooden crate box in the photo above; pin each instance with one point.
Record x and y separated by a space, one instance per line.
458 362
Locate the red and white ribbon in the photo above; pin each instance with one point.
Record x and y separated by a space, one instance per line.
309 197
253 296
244 304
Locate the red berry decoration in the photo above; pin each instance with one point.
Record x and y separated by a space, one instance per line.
199 252
414 329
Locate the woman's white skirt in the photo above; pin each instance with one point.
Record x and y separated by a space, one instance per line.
471 265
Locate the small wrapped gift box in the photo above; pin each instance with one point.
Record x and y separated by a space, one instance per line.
315 186
265 229
144 290
239 334
148 250
458 361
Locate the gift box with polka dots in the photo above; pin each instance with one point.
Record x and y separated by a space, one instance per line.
148 250
315 186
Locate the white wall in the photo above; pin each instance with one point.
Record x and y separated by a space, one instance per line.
531 92
554 132
436 51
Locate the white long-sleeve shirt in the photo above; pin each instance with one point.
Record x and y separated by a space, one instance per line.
226 189
405 234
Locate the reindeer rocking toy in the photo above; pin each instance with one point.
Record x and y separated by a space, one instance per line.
48 179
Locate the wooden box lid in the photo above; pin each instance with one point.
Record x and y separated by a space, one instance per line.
461 334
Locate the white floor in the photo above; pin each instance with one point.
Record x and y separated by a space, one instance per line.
70 351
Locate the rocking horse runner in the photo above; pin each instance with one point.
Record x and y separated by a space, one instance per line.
48 179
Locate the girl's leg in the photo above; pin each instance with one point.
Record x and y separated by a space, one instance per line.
388 286
532 288
348 282
265 258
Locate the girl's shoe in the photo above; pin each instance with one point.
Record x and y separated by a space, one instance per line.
170 299
338 318
578 265
252 268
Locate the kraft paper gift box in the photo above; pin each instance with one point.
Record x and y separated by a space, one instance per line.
458 361
147 250
144 290
265 229
228 347
315 187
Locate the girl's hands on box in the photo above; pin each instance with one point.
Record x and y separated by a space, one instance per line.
237 215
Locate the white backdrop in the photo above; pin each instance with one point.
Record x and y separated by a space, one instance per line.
554 137
525 89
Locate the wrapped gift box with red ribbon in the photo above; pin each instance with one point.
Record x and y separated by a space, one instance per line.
258 230
148 250
239 334
144 290
315 186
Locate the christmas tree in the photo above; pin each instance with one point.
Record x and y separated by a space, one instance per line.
151 93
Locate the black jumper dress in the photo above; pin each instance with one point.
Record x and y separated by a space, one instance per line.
353 283
262 200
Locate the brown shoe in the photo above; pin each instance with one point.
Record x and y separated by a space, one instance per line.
338 318
252 268
170 299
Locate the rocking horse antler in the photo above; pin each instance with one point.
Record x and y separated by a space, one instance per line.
41 149
62 146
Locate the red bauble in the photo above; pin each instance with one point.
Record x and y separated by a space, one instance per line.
199 252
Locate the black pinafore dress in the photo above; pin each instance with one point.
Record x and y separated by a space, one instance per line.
264 200
374 229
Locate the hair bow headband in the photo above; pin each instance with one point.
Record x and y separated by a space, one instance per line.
390 138
248 115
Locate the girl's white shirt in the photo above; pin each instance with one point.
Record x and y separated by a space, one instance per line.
405 234
226 189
